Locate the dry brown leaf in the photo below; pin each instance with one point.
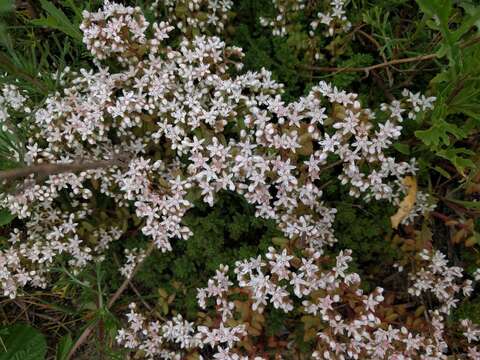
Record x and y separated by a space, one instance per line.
407 203
473 188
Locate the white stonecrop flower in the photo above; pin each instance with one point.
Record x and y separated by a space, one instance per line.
133 258
334 18
284 9
441 280
104 31
191 16
160 119
326 293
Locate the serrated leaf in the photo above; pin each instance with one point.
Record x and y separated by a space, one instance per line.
439 8
454 155
440 133
473 18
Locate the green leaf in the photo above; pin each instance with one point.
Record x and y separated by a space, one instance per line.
57 20
475 205
442 172
440 11
467 24
402 148
444 76
22 342
6 6
440 133
64 346
439 8
442 51
472 11
454 155
467 100
6 217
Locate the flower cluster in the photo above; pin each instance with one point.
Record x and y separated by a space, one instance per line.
424 204
335 19
133 258
472 334
11 100
174 124
155 339
441 280
284 10
265 287
114 30
150 336
195 16
162 125
419 102
50 233
352 324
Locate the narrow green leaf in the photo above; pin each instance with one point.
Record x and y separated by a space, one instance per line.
57 20
442 172
64 346
475 205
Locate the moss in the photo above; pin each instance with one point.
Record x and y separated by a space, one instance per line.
222 234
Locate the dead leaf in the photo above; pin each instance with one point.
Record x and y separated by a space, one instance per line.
472 188
407 203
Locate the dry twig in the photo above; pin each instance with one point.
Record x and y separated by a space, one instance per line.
89 329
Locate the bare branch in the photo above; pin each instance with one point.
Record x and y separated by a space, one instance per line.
44 170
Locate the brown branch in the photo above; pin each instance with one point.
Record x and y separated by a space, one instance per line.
86 333
380 51
132 286
367 69
44 170
447 220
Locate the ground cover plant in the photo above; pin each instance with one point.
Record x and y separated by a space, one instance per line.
239 179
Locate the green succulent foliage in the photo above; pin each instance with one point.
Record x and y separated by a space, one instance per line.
364 229
275 322
469 309
222 234
345 80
